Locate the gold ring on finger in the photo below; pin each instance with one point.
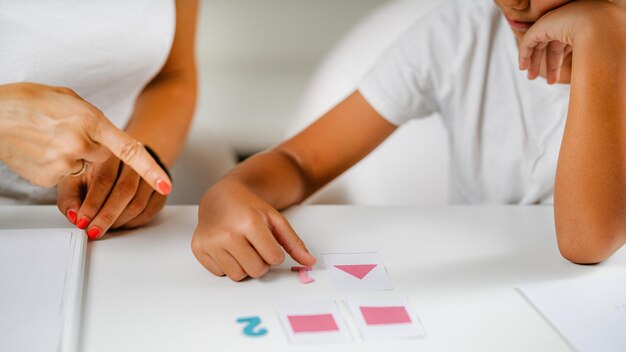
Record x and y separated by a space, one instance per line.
82 170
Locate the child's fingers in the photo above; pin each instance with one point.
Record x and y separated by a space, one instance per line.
534 40
210 264
535 61
524 58
554 60
568 50
286 236
229 265
266 245
248 258
526 50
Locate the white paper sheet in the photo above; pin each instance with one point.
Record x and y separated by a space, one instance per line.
589 312
357 271
313 322
385 318
41 279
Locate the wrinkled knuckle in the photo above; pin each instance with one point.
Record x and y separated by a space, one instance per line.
276 258
299 241
197 245
108 216
105 182
228 236
66 90
247 223
87 120
289 248
130 151
127 188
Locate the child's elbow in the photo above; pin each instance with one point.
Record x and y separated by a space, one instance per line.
582 246
583 254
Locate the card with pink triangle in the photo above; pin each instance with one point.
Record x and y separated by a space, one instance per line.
357 271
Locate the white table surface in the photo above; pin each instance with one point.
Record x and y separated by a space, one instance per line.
458 266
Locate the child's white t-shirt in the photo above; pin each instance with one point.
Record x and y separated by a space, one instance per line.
505 131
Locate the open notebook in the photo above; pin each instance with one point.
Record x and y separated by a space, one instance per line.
41 284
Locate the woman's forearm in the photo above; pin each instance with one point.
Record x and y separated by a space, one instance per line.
590 188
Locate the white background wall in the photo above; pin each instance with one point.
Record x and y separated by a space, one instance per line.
255 59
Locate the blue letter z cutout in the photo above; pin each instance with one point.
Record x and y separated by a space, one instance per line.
251 326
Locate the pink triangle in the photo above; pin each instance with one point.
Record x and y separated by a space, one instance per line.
359 270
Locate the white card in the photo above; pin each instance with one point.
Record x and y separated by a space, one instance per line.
313 322
588 311
357 271
383 318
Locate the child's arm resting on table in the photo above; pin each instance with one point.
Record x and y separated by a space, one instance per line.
590 187
240 233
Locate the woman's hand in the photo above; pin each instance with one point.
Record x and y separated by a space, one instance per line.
48 133
109 195
240 235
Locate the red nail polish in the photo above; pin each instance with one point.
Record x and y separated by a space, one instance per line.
164 187
93 233
82 223
71 215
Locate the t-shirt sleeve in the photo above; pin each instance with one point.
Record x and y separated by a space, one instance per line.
404 82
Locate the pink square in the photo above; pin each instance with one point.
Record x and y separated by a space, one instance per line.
312 323
385 315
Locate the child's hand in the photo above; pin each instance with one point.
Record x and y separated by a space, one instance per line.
240 235
556 32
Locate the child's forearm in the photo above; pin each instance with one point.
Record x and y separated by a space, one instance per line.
292 171
590 188
274 176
